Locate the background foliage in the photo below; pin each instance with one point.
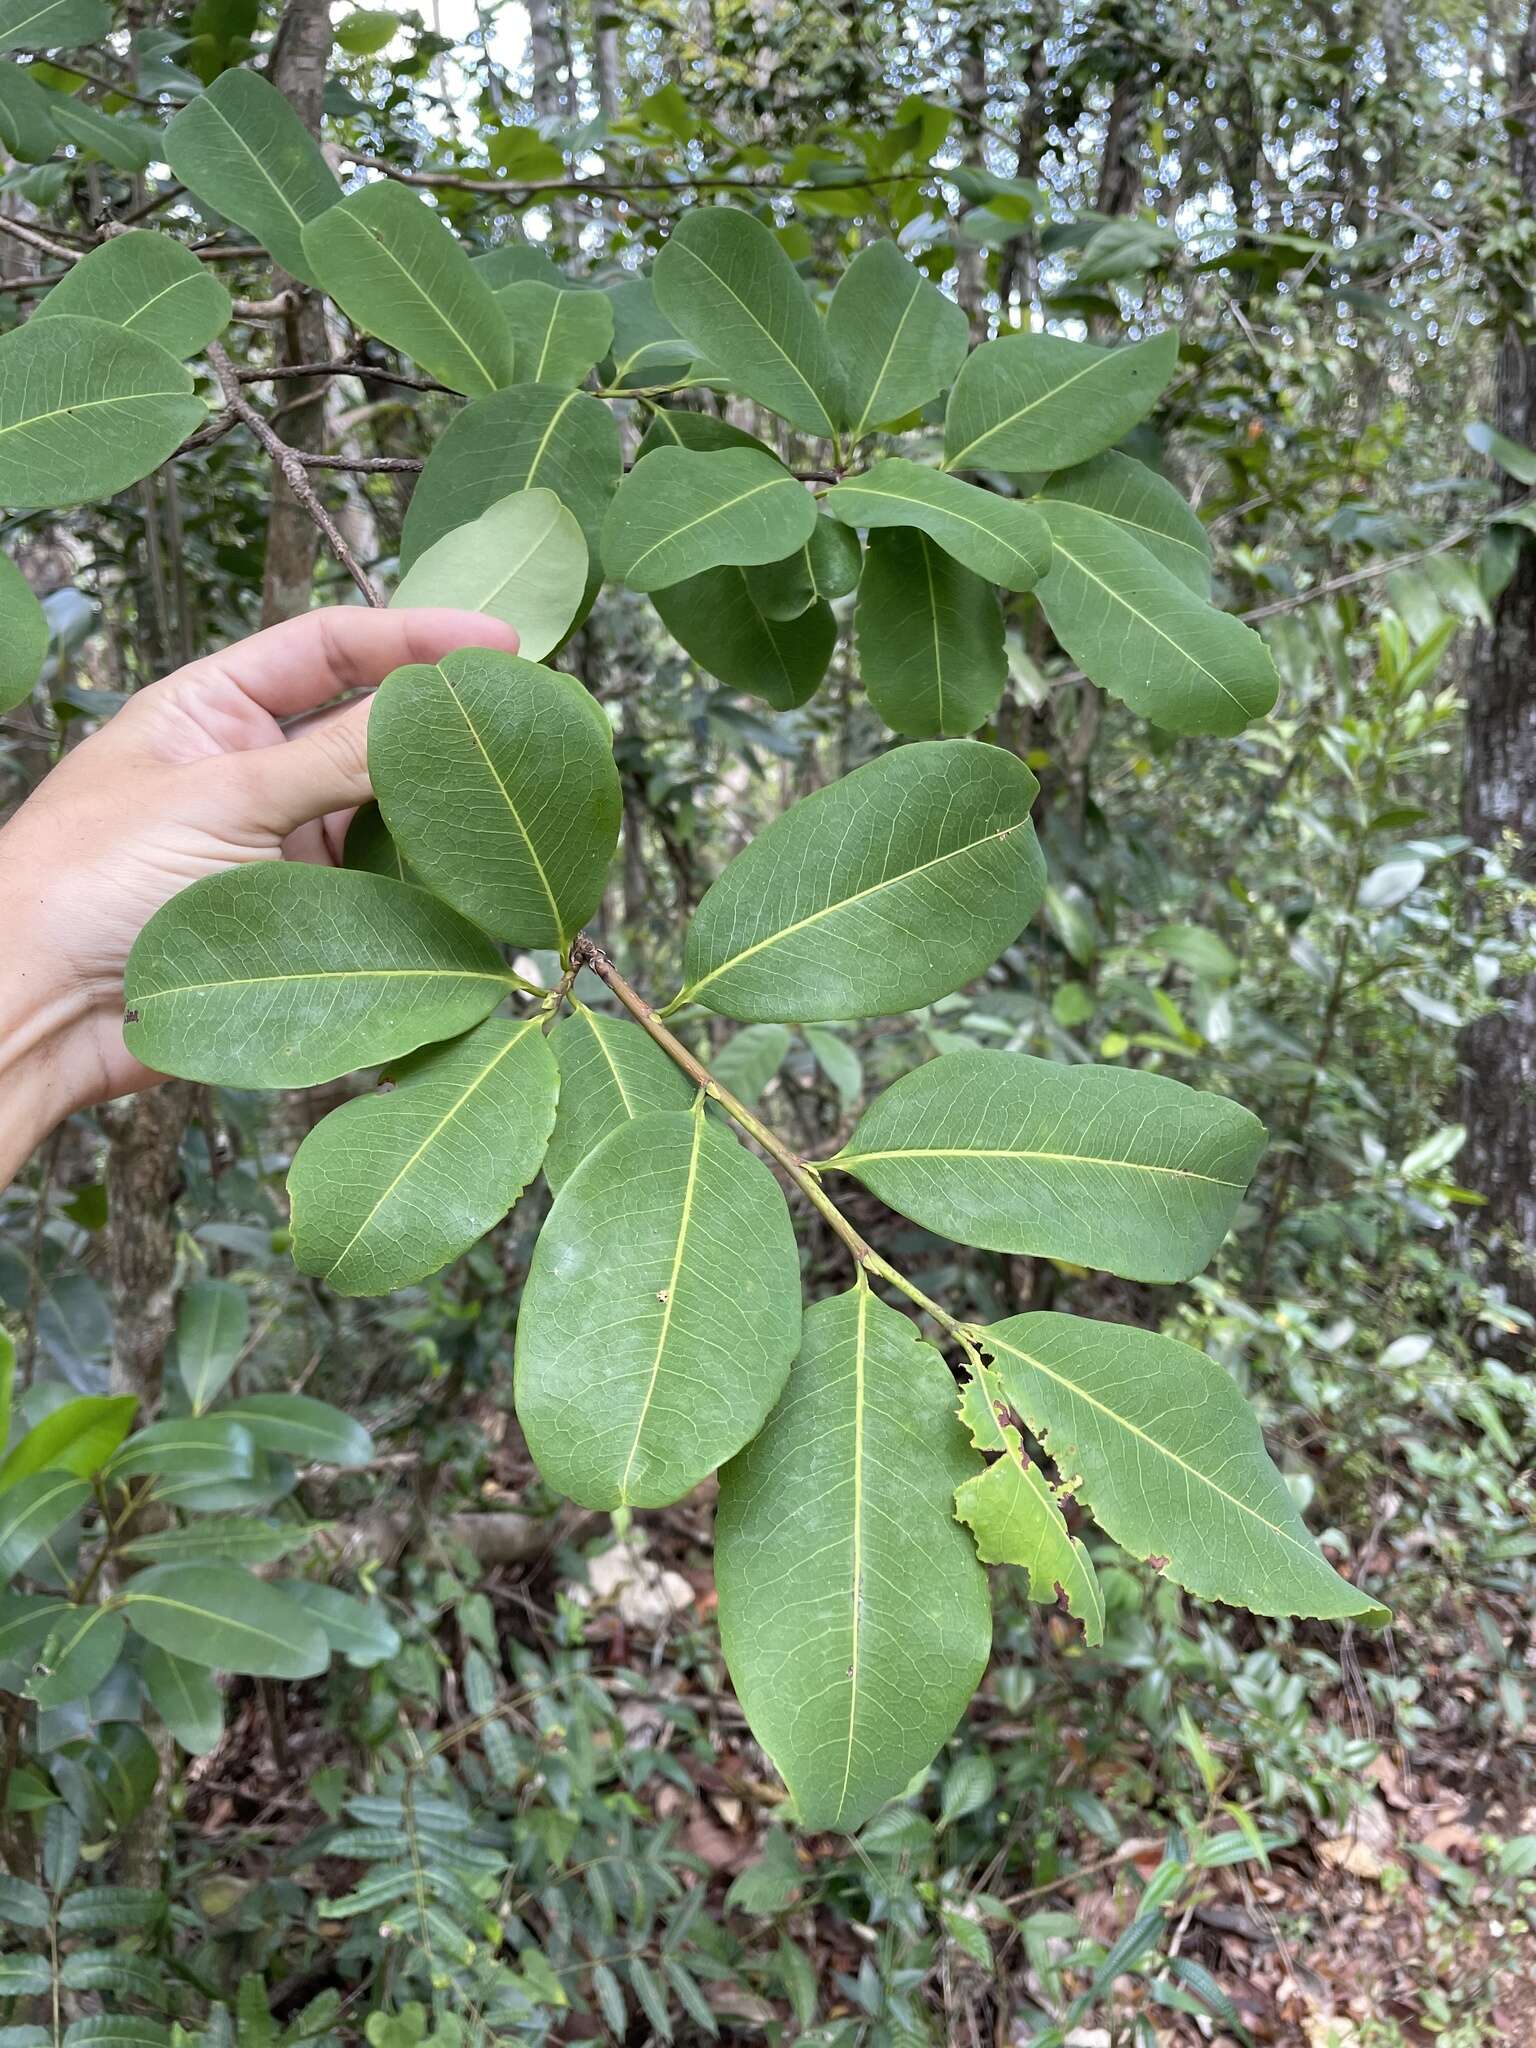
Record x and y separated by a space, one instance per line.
521 1801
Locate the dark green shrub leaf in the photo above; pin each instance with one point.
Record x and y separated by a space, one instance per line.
524 560
610 1073
358 1630
558 332
77 1657
150 285
126 145
224 1620
999 538
22 1904
387 259
497 782
1172 1462
279 975
301 1427
889 889
897 339
391 1187
242 149
726 286
749 1059
78 1437
213 1320
827 566
1104 1166
26 1622
86 409
660 1314
186 1699
23 636
52 24
930 637
26 118
203 1447
647 349
853 1613
681 512
1148 509
528 437
1036 401
717 619
1145 636
676 427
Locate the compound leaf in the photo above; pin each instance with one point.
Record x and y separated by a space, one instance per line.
1171 1462
1105 1166
497 782
390 1187
886 890
660 1314
1037 401
280 975
853 1612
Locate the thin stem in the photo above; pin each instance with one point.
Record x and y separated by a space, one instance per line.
585 953
293 471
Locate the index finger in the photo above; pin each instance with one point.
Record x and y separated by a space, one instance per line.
307 661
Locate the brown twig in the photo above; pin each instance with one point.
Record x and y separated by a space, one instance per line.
341 368
294 472
613 188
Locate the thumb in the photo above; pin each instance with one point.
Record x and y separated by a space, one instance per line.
323 768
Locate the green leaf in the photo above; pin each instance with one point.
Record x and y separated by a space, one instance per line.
213 1321
1015 1518
999 538
85 410
750 1058
716 618
117 2030
279 975
558 331
78 1437
26 1622
828 565
22 1904
853 1613
26 117
241 149
681 512
676 427
390 1187
660 1314
30 1513
1203 952
77 1657
370 849
887 890
1515 460
387 259
1035 401
186 1698
726 286
149 284
1104 1166
52 24
1146 507
528 437
930 637
1146 637
1125 248
366 31
897 339
524 561
358 1630
647 350
21 1976
229 1540
610 1073
126 145
496 779
23 639
203 1447
512 262
1171 1462
839 1062
224 1620
301 1427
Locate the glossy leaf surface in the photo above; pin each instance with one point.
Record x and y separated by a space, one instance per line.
999 538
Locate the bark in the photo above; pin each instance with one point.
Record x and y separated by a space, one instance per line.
544 59
1499 802
605 61
298 71
971 261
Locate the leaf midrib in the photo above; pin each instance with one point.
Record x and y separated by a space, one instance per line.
515 814
772 483
860 1345
956 460
373 236
1115 598
861 487
683 1222
846 1161
801 924
773 342
197 988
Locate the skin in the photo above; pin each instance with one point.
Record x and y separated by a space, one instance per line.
241 756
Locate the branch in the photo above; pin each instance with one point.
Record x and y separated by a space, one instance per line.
342 368
585 953
612 188
293 468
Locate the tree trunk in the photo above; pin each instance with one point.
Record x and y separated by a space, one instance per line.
298 71
1499 799
970 260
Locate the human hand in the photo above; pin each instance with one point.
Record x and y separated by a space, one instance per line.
194 774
